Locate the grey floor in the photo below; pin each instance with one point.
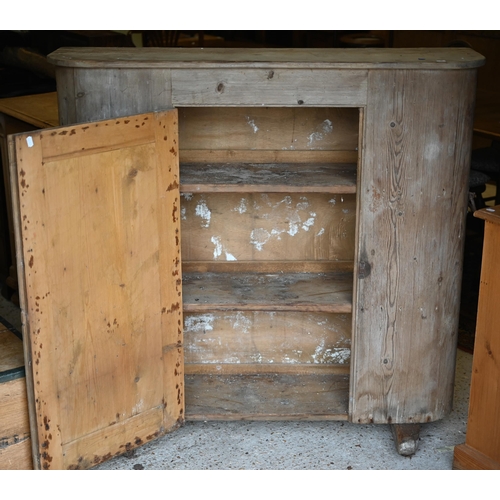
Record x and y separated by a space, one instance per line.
296 445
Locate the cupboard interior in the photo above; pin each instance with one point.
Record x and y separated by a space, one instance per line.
268 229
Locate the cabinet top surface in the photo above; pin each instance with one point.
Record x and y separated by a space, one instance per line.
491 214
193 58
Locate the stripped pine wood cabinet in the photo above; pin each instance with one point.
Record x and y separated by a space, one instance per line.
322 209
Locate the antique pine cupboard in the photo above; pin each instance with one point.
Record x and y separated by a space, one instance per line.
229 234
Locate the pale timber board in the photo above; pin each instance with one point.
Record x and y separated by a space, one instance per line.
326 292
14 423
408 58
17 456
11 350
267 226
264 129
39 110
221 337
267 396
289 178
96 229
414 184
483 432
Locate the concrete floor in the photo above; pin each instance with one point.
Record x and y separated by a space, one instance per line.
296 445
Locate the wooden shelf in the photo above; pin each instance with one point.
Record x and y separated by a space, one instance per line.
272 395
325 292
268 177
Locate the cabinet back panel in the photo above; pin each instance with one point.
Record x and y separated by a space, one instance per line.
267 337
279 129
267 226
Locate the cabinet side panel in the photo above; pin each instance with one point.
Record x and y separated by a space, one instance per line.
413 191
90 94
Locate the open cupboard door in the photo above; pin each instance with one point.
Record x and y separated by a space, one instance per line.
98 249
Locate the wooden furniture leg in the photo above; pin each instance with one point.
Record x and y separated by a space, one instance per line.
406 437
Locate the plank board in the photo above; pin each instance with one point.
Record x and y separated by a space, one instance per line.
268 226
268 178
411 230
263 128
267 396
99 262
11 350
221 337
325 292
15 449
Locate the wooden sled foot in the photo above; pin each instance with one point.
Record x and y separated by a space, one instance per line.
406 437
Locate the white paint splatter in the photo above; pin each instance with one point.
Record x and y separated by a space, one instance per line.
309 222
187 196
327 126
241 322
242 207
183 213
321 231
230 256
218 246
315 136
333 201
252 124
345 210
259 237
216 240
204 212
199 323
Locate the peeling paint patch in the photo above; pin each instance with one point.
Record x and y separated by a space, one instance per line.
218 246
204 212
242 207
252 124
199 323
259 237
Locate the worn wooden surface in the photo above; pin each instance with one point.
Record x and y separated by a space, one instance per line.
11 350
268 396
404 116
242 337
483 425
414 58
304 292
15 449
414 173
268 178
39 110
406 438
268 226
101 309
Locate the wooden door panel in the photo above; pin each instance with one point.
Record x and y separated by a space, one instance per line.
99 260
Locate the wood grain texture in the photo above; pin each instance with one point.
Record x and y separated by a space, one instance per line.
11 350
268 129
267 226
17 456
328 292
468 458
80 96
243 337
413 188
15 444
264 87
98 319
268 178
483 429
271 396
39 110
413 58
